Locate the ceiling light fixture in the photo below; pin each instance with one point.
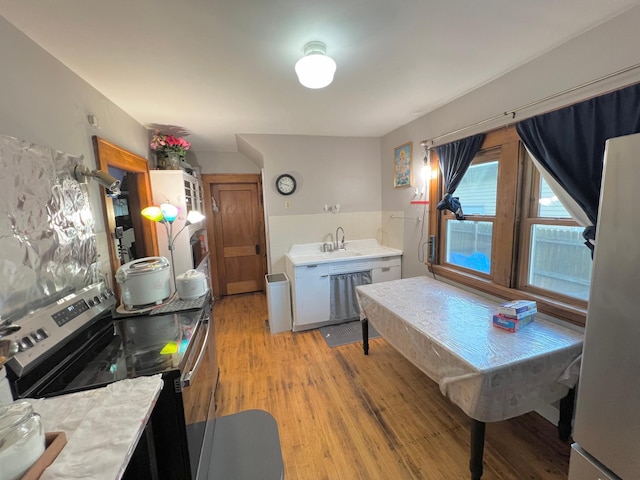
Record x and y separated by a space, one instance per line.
315 69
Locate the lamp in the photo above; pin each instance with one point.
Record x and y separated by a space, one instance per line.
166 214
111 184
315 69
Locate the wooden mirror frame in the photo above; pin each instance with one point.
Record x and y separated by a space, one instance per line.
110 155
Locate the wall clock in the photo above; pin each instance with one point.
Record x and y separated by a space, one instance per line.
286 184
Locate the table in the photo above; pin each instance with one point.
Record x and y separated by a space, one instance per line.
491 374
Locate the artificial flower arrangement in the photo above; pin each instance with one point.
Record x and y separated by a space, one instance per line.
163 143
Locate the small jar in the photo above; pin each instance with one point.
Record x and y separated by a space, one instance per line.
22 439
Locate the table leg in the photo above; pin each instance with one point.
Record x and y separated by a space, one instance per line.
566 414
477 449
365 336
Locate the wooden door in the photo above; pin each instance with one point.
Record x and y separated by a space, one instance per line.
237 235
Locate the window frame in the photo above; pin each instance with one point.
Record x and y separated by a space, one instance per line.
516 198
483 156
529 218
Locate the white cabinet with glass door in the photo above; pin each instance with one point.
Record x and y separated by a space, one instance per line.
185 192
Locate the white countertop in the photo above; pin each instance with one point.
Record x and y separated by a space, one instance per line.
102 427
311 253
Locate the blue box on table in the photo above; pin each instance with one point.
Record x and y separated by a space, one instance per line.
512 324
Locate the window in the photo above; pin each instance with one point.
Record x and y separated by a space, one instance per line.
554 259
469 242
517 240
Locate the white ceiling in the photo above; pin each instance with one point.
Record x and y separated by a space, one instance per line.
224 67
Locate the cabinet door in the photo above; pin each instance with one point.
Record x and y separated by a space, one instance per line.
192 193
386 268
311 298
384 274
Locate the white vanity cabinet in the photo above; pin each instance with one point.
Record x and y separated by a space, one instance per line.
386 268
310 272
310 295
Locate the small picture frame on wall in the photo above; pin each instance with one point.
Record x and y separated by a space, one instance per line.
402 166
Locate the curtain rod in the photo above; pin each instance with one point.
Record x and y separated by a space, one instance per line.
513 112
417 219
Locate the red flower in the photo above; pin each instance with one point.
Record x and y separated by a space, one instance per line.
161 142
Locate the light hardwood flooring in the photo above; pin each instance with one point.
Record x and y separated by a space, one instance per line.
344 415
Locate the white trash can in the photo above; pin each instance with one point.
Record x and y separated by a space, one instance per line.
278 302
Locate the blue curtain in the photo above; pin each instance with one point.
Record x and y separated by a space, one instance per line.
569 143
454 159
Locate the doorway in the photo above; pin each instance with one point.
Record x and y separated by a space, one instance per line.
237 239
134 171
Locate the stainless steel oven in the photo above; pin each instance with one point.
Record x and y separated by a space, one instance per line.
79 344
198 379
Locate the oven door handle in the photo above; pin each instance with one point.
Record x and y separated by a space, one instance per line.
186 379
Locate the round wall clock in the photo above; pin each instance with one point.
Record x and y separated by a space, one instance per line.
286 184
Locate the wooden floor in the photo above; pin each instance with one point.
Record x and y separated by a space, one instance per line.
343 415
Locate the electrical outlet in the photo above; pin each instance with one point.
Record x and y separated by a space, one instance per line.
432 248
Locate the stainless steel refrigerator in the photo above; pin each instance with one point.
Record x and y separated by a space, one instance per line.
607 422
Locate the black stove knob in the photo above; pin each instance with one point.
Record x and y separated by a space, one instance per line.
96 300
26 343
43 333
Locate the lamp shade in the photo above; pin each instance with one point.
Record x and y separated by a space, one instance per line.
153 213
194 217
169 212
315 69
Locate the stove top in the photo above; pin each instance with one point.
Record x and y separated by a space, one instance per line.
41 333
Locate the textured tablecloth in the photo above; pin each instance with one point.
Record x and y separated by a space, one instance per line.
447 332
102 427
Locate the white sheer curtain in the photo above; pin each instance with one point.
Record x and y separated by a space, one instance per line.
564 198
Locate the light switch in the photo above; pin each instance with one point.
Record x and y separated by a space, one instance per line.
287 204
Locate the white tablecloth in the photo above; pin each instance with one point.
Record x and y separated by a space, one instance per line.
447 332
102 427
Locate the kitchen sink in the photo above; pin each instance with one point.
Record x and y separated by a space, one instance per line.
341 254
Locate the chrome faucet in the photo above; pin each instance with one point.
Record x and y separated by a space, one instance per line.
340 243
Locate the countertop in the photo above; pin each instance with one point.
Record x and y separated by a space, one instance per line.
102 427
312 254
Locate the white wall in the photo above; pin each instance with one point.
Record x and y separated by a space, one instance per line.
607 48
43 102
343 170
328 170
222 162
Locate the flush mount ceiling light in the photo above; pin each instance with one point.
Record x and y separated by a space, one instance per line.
315 69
